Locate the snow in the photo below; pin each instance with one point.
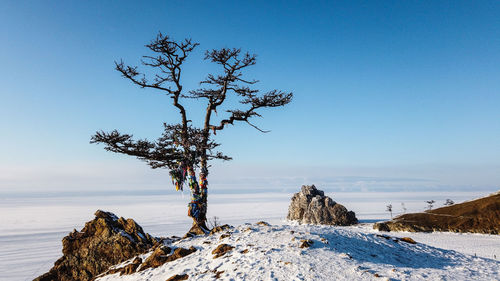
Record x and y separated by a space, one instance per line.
338 253
31 229
126 235
481 245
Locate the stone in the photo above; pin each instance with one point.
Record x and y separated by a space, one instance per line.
221 250
407 240
381 226
180 253
128 269
220 228
161 256
104 241
157 258
306 243
178 277
218 274
311 206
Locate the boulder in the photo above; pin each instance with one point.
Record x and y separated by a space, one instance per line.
104 241
310 205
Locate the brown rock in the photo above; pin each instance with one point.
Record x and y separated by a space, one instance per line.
178 277
218 274
381 226
263 223
196 230
306 243
161 256
128 269
219 228
407 240
180 253
103 242
221 250
397 239
157 258
310 205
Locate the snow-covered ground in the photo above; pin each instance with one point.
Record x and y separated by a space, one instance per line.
481 245
31 229
338 253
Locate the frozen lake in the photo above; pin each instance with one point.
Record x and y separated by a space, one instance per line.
31 229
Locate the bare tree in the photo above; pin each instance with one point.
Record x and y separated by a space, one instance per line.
430 204
448 202
184 148
389 209
213 222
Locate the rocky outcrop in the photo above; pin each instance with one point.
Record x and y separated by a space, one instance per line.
478 216
103 242
310 205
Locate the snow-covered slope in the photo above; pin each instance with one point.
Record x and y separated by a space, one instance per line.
272 252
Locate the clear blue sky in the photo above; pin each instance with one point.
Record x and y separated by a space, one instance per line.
387 93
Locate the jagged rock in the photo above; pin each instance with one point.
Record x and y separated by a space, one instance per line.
128 269
103 242
263 223
381 226
221 250
310 205
161 256
196 230
157 258
306 243
219 228
477 216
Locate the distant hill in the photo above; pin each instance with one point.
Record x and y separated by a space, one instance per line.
478 216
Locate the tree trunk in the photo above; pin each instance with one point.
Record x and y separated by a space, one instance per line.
198 205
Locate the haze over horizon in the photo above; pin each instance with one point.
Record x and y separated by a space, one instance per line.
388 95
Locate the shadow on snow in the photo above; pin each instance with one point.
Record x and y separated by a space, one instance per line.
374 248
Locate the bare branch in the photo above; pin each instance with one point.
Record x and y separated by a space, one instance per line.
259 129
182 142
